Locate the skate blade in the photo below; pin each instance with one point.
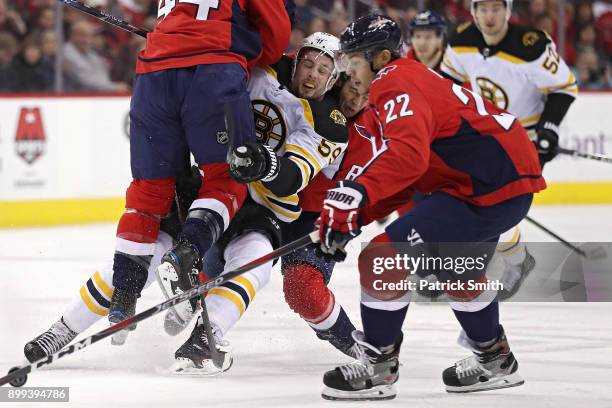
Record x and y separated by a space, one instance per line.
119 338
507 381
185 367
378 393
165 274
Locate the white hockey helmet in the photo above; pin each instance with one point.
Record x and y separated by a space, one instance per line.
508 8
327 44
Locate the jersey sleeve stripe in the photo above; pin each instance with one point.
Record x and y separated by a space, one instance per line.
304 164
530 120
305 154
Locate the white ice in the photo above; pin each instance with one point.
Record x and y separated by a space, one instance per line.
564 349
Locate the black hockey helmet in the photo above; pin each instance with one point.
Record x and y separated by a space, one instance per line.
372 33
430 20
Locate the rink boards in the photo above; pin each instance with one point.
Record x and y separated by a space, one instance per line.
66 159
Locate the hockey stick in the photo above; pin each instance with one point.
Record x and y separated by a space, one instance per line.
575 153
596 253
18 376
107 18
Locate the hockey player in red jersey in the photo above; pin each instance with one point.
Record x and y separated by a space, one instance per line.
194 63
478 170
427 33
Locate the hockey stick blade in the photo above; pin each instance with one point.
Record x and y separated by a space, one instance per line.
18 375
595 253
107 18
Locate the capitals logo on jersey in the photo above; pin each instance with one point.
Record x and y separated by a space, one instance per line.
384 72
270 127
30 137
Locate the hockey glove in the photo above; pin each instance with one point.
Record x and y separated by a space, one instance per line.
252 162
340 221
547 142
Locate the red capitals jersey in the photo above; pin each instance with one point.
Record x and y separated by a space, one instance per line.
411 54
442 137
365 145
194 32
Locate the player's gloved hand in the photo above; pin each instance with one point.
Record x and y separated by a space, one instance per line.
547 141
252 162
340 221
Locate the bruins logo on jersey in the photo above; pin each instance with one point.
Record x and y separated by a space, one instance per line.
530 38
493 92
270 127
338 117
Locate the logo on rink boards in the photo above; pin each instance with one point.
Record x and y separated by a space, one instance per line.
30 139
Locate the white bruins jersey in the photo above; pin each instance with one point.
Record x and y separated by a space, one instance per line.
312 134
516 74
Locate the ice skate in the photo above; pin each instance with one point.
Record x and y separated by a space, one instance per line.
194 357
123 306
50 342
370 377
489 368
178 273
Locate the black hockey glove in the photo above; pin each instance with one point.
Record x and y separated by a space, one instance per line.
252 162
547 142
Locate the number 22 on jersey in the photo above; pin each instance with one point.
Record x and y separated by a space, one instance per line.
204 6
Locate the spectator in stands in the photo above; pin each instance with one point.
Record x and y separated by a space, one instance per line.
11 21
48 46
317 24
589 72
45 20
31 68
84 69
297 38
8 73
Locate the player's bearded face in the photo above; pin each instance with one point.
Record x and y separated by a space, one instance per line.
491 17
426 44
311 74
353 98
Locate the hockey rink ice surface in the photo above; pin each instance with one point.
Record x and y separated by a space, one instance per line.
564 349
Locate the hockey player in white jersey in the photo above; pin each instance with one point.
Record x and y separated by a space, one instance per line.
518 68
288 124
300 134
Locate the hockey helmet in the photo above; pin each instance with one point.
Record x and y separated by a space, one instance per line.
327 44
508 8
371 33
428 19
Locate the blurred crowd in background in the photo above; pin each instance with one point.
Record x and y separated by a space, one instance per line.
97 57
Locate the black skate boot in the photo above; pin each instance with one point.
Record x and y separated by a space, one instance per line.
179 272
50 342
514 275
123 306
370 377
489 368
194 356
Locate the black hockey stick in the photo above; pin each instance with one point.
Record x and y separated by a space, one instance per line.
592 254
107 18
18 376
575 153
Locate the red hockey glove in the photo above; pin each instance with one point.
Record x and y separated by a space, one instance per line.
340 221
